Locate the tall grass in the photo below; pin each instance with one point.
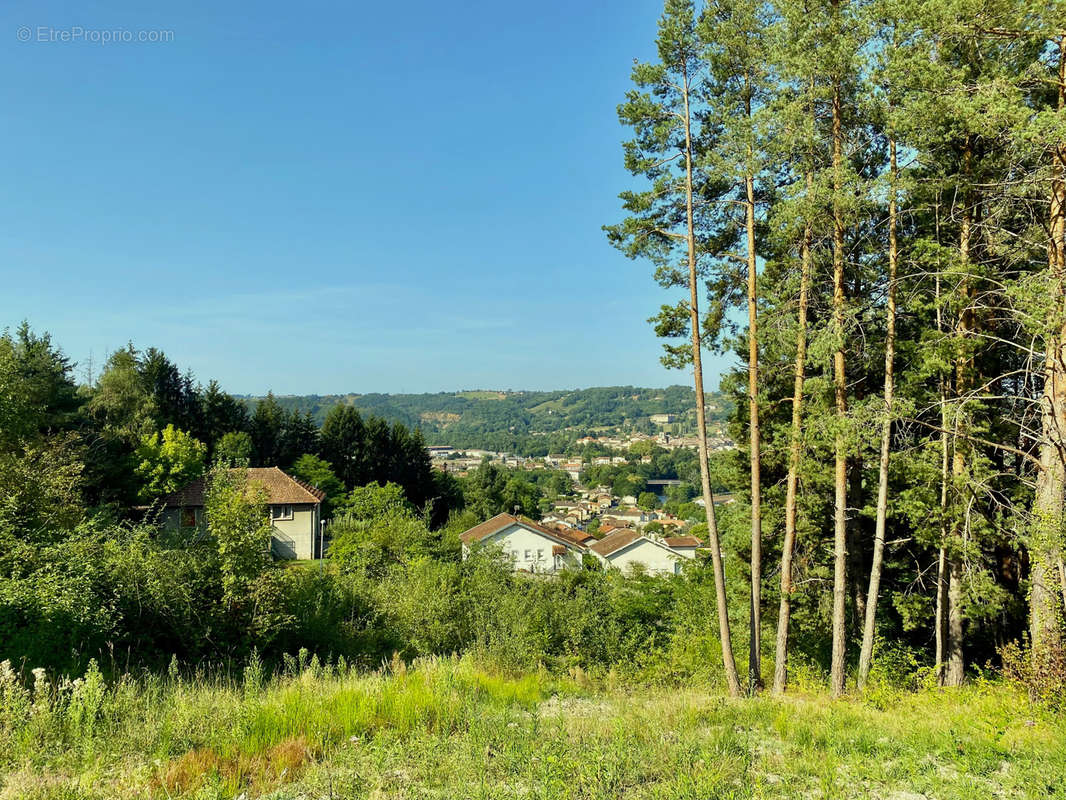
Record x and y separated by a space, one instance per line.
185 732
452 727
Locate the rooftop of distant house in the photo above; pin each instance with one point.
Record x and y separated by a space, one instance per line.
281 489
614 541
683 541
502 521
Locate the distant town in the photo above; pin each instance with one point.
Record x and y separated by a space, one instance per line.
596 507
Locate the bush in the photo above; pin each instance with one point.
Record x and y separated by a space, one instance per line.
1043 678
371 546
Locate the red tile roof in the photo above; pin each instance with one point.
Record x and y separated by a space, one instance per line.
683 541
500 521
614 541
573 534
281 488
487 528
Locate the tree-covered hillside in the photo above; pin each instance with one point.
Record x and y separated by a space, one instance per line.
519 421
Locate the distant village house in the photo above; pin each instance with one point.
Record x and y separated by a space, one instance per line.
530 547
295 510
536 548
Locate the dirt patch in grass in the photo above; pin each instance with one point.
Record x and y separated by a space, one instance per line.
556 706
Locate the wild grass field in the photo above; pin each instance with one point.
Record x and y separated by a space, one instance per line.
452 728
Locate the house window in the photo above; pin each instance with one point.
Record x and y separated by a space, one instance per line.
188 518
527 555
280 512
540 555
514 554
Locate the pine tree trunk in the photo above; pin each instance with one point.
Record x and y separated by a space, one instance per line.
795 451
1045 540
942 559
1062 583
940 621
755 611
840 470
728 662
954 668
855 570
869 625
955 665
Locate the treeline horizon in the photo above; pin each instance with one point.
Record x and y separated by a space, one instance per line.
528 423
144 428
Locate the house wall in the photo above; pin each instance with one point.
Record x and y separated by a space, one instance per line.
290 538
171 518
296 537
534 550
654 558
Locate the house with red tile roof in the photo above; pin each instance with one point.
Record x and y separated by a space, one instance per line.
533 547
628 549
577 535
295 510
529 546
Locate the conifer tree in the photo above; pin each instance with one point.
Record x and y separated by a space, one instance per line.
889 102
1048 519
672 137
797 206
737 35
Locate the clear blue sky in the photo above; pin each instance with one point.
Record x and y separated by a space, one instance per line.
329 197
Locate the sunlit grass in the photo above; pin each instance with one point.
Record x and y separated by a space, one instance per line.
455 728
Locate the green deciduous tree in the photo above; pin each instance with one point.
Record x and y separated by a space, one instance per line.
374 500
648 501
167 461
238 523
234 449
317 472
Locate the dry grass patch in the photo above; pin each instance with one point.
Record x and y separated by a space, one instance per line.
255 774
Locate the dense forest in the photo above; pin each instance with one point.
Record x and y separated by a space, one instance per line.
866 202
526 423
144 428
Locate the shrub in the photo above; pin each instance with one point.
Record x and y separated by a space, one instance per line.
1042 678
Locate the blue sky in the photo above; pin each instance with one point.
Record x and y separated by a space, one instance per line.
329 197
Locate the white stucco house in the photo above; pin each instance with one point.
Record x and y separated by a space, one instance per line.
625 548
295 510
529 546
537 548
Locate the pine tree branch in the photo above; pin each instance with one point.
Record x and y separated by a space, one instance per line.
1004 447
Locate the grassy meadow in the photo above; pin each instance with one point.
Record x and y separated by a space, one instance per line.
452 728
